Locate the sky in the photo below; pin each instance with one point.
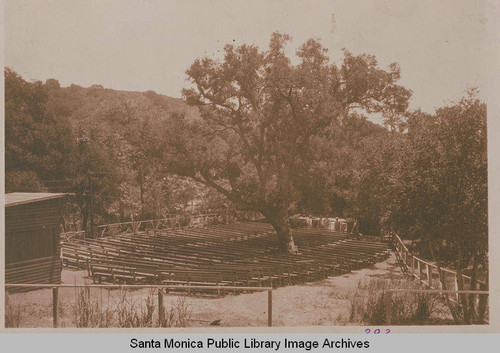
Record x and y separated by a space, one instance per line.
440 45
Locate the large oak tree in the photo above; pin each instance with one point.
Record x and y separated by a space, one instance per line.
260 115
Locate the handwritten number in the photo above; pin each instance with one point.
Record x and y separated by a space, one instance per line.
377 331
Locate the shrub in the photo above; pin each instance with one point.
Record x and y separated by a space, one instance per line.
368 305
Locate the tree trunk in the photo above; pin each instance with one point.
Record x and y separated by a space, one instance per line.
483 301
85 212
462 298
473 286
449 304
282 227
141 189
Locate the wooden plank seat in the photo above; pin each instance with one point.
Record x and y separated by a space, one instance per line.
237 254
116 274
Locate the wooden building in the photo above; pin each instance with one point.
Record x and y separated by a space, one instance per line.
32 234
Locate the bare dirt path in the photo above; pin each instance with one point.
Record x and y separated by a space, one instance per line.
318 303
325 302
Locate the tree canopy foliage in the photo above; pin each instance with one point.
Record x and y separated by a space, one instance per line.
73 139
264 120
441 190
38 145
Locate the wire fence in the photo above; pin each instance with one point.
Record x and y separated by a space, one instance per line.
91 310
170 222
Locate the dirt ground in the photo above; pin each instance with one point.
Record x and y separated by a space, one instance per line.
323 302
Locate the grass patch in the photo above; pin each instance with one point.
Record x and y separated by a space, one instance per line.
368 305
89 311
178 315
12 314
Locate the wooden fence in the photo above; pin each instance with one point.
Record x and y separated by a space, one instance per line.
160 289
177 221
429 274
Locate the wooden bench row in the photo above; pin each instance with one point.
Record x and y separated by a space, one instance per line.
242 254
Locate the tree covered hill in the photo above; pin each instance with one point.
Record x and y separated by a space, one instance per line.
74 139
95 103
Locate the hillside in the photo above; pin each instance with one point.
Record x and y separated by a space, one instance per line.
112 142
94 104
95 141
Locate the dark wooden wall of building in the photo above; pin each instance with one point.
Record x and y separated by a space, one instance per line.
32 242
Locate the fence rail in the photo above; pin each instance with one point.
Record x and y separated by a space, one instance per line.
174 221
135 226
55 294
428 273
441 279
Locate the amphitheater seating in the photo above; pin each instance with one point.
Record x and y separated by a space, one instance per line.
238 254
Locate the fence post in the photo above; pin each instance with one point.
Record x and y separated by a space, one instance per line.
161 311
429 275
55 302
270 308
442 280
388 308
481 305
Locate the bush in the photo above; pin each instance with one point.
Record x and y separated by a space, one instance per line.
296 222
368 305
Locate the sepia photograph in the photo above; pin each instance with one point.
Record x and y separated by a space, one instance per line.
244 164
